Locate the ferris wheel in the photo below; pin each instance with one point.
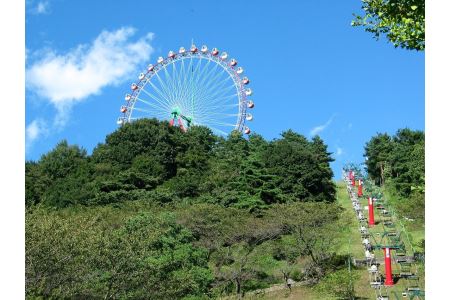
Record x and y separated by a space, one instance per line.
192 87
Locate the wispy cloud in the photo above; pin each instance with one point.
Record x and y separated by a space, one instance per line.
42 7
38 7
339 151
318 129
68 78
34 130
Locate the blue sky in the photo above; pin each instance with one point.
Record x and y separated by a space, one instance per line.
309 69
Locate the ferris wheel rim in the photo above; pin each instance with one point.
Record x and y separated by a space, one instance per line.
162 65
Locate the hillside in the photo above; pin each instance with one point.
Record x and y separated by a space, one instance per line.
155 212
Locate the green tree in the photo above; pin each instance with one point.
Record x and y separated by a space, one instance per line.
403 172
153 257
339 284
378 152
66 172
313 226
36 183
62 160
145 136
301 167
402 21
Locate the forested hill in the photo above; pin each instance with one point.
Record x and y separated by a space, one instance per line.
151 161
157 213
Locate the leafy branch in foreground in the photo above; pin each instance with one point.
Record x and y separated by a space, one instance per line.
403 21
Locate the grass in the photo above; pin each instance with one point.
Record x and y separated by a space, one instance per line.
350 238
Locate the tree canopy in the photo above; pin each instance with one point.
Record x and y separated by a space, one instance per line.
148 159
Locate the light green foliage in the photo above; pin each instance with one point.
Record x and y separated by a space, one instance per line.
339 284
79 256
402 21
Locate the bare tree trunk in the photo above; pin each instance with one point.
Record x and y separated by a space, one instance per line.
238 288
382 174
285 276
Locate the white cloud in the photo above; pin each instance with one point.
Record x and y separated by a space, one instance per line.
318 129
34 130
339 151
71 77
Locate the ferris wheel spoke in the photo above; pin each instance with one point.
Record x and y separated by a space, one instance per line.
208 76
221 115
165 103
179 76
205 89
181 92
212 121
200 74
229 106
162 102
151 112
197 73
185 85
212 102
208 108
214 115
164 87
173 80
217 88
161 94
197 87
177 81
165 109
170 83
217 77
194 84
222 98
193 87
218 130
214 97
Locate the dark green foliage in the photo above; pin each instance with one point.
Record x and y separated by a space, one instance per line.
62 161
399 159
378 151
149 158
399 163
403 21
302 168
35 183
